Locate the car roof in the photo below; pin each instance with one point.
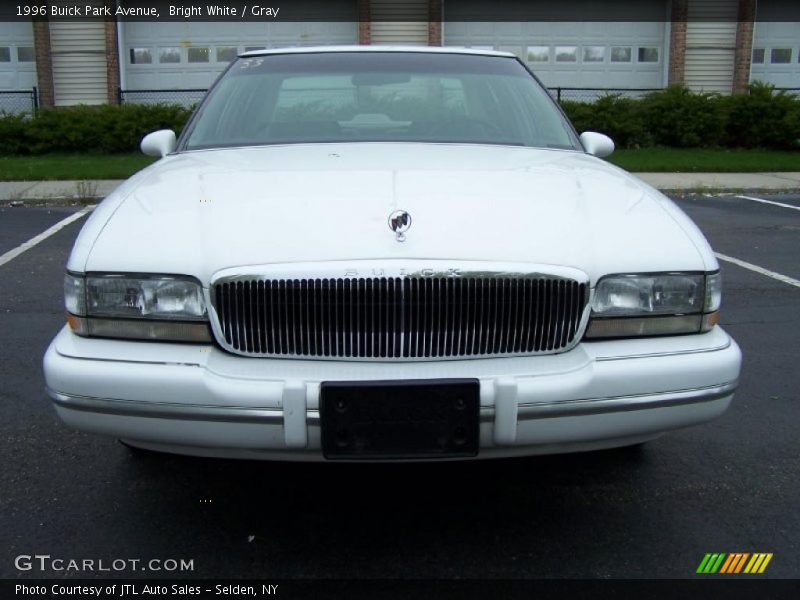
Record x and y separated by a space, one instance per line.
407 49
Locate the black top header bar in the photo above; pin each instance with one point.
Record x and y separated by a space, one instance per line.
363 10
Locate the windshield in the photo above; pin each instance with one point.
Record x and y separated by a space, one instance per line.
378 97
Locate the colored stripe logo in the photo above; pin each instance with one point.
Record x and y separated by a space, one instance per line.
734 563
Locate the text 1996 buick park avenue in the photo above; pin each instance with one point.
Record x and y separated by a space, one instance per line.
385 253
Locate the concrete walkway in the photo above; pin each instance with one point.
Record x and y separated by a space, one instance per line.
19 192
778 182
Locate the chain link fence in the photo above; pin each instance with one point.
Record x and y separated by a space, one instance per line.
573 94
19 101
186 98
191 97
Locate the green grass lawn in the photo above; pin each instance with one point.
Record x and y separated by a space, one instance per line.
120 166
71 166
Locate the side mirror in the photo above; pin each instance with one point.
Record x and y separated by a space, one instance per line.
597 144
159 143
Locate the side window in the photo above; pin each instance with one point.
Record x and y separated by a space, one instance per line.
199 54
25 54
648 55
620 54
226 53
539 54
141 56
780 56
169 55
566 54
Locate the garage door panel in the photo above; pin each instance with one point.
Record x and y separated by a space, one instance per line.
771 41
598 38
16 74
151 37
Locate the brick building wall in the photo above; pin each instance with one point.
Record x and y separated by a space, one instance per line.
112 61
364 23
744 46
677 42
434 22
44 62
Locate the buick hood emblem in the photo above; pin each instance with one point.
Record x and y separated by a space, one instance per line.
400 222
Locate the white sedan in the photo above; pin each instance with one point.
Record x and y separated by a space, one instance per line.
370 253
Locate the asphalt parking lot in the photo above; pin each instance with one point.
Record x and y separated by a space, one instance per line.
729 486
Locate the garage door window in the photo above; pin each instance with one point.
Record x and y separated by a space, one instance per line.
758 56
5 54
566 54
169 55
25 54
538 54
141 56
780 56
594 54
226 53
620 54
648 55
199 55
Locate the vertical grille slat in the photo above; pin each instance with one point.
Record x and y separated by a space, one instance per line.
399 317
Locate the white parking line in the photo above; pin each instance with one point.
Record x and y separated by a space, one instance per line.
759 270
12 254
781 204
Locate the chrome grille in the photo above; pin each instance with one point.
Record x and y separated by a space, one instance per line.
404 317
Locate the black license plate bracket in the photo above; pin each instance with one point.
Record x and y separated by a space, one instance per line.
405 419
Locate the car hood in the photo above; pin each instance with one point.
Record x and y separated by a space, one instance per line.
200 212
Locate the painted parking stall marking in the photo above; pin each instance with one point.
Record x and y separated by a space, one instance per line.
24 247
772 202
761 270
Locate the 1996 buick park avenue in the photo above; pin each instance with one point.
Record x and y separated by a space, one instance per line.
387 254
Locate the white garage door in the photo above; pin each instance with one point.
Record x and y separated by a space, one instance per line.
776 45
17 66
588 54
170 55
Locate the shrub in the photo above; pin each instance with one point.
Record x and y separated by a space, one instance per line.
673 117
105 128
618 117
12 134
679 118
762 119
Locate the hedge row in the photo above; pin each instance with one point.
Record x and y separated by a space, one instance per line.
679 118
674 117
104 128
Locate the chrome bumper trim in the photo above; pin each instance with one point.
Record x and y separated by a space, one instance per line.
616 404
274 416
164 410
724 346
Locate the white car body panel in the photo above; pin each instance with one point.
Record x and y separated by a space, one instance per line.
549 207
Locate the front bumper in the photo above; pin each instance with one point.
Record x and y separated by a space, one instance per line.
200 400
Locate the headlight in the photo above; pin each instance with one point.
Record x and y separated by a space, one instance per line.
136 307
654 304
